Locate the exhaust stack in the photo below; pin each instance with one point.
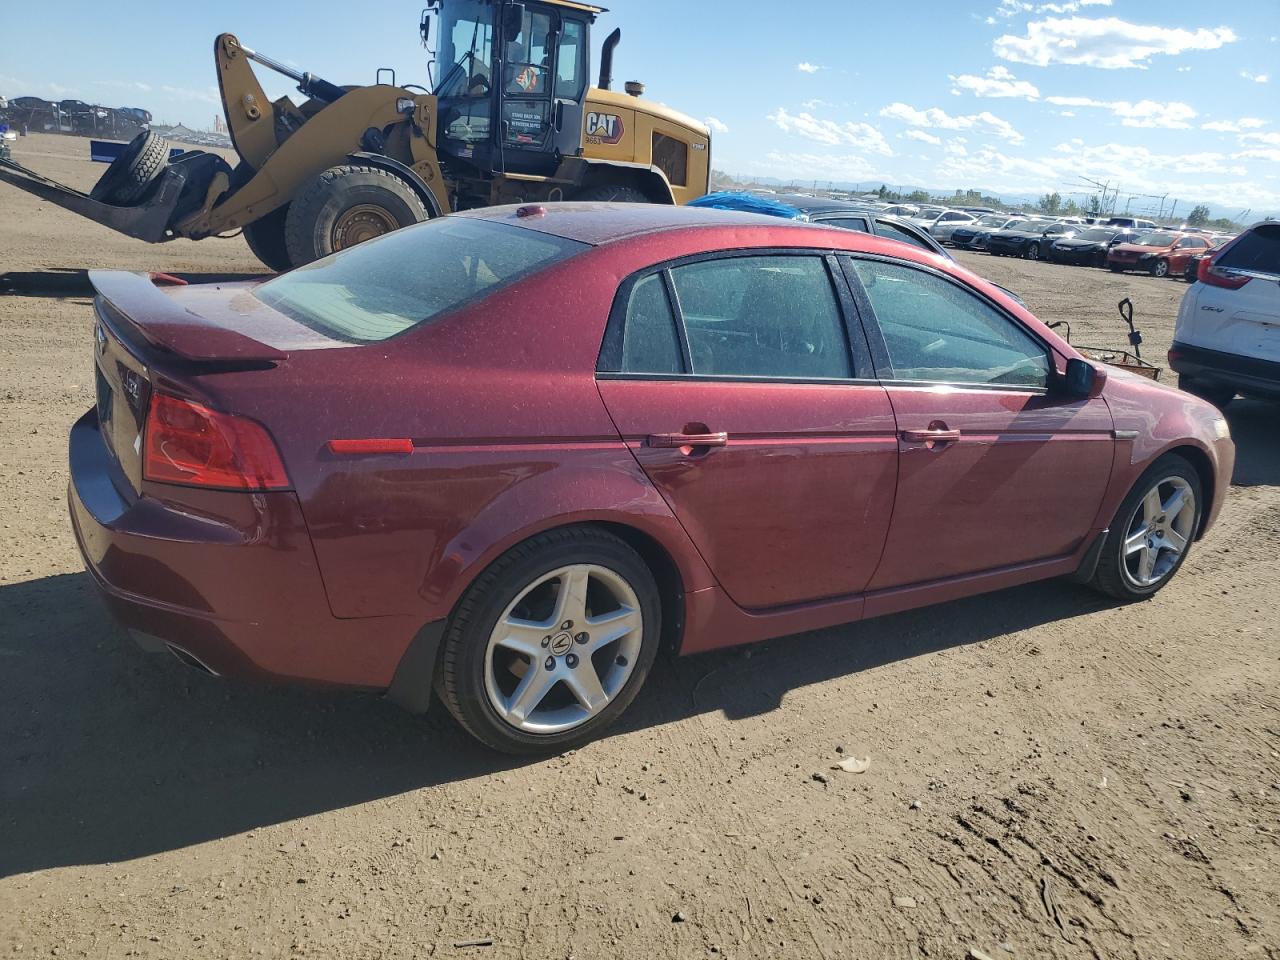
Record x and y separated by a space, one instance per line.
606 58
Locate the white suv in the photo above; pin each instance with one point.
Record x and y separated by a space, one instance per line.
1227 339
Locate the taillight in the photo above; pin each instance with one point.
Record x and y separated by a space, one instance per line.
1208 273
187 443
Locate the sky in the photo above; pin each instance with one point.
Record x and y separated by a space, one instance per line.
1177 99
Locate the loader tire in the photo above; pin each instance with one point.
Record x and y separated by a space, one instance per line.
346 205
132 173
612 193
265 237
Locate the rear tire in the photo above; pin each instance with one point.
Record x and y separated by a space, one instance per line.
131 174
480 677
611 193
346 205
266 239
1218 396
1120 571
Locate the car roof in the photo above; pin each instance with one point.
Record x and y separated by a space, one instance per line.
615 224
601 223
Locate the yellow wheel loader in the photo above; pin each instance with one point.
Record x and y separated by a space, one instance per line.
509 118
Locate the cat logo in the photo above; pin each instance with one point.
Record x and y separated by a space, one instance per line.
604 128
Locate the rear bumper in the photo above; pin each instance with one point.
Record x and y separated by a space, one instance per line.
229 579
1248 375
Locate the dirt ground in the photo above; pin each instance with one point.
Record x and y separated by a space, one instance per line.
1051 775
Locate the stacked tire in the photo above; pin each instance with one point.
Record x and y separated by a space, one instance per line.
132 173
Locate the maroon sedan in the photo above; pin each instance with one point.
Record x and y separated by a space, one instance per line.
512 453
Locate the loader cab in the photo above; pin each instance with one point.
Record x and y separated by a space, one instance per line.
512 81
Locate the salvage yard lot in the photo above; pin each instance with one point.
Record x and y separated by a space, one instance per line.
1051 774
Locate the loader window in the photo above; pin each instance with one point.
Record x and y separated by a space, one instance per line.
410 277
570 67
466 45
529 57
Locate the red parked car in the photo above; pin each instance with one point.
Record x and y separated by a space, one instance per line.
1159 253
512 453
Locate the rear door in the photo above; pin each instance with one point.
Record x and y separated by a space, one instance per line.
734 381
995 470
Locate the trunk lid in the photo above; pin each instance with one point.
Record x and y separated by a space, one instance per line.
142 332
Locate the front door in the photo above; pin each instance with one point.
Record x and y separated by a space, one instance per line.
732 381
995 469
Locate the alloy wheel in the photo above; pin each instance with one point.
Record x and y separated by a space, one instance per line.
563 649
1158 533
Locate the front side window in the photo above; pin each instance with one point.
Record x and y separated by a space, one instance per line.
529 57
400 280
938 332
762 317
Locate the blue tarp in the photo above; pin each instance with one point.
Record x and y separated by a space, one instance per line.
747 203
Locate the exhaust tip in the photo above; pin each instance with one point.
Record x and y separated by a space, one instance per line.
191 660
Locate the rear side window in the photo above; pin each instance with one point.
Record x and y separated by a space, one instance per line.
649 342
937 332
1256 249
846 223
762 317
893 233
403 279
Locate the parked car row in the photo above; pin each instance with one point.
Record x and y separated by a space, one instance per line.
35 115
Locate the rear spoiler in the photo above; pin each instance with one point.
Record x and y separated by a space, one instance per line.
165 324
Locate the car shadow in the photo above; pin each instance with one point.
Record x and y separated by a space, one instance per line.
112 754
74 282
1255 428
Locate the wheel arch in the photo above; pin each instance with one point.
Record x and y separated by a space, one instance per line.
406 173
1203 467
648 179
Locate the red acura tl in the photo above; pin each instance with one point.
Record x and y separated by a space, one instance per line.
508 455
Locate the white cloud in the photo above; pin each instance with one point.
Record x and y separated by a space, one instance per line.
935 117
956 147
863 136
825 166
1109 43
1184 69
716 124
1271 139
1234 126
124 85
1173 115
814 104
1255 77
1259 153
924 137
203 95
998 82
804 66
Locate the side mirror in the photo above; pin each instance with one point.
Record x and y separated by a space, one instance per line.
424 29
1083 380
512 21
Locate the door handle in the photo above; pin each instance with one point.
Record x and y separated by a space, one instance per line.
931 435
669 440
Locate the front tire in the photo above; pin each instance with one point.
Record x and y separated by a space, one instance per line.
1160 268
346 205
266 238
552 642
1033 251
1152 531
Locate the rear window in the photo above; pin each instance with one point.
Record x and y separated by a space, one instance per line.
403 279
1256 249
